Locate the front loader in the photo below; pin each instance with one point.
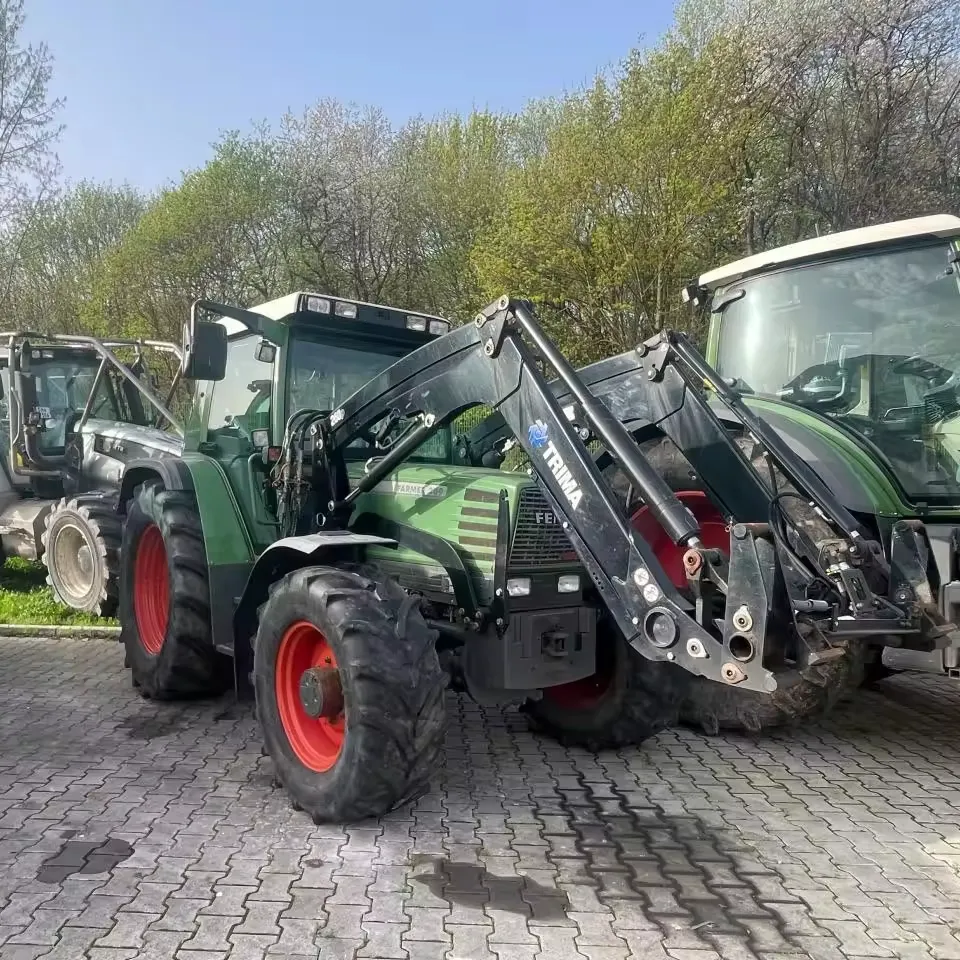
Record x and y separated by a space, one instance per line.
320 541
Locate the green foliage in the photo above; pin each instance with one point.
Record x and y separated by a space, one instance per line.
25 598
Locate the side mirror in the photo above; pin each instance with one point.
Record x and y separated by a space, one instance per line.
266 352
204 349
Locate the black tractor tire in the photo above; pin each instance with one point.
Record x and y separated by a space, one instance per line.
814 692
81 551
627 700
165 598
821 679
382 745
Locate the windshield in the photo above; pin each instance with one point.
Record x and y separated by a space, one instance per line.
872 341
321 375
63 386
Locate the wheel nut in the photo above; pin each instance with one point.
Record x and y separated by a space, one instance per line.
320 692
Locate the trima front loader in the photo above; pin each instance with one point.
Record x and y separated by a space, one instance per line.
318 534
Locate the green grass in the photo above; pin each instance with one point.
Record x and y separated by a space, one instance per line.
26 598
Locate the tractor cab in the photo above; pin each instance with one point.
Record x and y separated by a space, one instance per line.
854 339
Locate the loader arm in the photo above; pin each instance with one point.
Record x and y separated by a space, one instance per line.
492 362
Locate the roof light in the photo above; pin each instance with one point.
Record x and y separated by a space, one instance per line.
439 326
348 310
417 323
318 304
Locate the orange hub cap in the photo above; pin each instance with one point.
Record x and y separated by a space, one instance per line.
316 740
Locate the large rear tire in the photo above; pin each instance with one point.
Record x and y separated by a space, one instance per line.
350 694
626 701
81 551
823 674
165 598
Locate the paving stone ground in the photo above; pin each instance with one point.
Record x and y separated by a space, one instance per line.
840 841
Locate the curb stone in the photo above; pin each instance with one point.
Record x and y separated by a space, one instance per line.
44 631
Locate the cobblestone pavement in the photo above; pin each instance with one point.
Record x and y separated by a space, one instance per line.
129 829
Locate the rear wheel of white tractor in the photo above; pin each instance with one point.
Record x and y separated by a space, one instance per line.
81 549
822 674
165 598
350 694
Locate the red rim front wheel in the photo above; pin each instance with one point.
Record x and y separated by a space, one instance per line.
309 697
151 590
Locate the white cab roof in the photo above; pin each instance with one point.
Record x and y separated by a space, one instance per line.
941 225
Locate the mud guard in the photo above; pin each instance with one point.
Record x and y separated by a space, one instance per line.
277 561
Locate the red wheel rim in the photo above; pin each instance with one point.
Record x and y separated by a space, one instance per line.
585 694
151 590
713 533
316 741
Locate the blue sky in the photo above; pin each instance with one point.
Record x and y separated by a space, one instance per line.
149 84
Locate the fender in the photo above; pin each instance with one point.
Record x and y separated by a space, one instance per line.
277 561
172 472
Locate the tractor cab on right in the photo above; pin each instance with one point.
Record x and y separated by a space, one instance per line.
848 345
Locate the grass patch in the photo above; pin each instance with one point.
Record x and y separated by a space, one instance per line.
26 598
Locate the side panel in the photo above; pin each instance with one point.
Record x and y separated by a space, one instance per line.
457 503
224 534
230 554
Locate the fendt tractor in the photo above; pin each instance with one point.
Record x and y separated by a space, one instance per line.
52 390
318 538
846 346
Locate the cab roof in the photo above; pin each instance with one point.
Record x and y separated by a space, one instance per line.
938 226
287 306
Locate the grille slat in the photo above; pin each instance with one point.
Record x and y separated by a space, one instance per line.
538 537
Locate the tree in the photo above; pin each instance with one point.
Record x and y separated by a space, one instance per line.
219 234
59 244
631 195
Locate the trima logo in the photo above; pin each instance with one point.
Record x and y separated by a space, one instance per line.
569 486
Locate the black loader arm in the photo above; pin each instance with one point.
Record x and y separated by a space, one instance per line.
491 362
663 387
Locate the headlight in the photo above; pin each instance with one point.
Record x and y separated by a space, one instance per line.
439 327
568 583
519 587
348 310
417 323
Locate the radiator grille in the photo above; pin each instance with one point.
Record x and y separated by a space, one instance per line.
538 538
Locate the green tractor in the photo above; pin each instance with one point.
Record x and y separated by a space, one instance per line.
847 345
322 538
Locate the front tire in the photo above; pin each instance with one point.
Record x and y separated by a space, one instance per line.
165 598
81 547
371 739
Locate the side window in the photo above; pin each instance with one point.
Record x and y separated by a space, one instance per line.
241 401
